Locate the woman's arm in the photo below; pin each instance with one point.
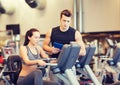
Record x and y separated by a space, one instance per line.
42 53
23 54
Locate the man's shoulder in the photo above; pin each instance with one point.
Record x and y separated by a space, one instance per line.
72 29
56 27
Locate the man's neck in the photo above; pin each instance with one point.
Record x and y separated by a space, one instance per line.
63 29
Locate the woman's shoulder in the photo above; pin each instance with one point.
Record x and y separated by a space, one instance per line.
22 47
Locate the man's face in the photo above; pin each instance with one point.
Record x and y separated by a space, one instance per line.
65 22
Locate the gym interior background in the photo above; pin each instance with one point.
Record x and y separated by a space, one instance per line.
97 20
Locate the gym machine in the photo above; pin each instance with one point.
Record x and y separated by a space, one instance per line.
84 67
66 60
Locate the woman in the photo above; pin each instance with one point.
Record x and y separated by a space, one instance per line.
31 54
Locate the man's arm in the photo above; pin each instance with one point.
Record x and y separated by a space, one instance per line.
46 44
79 40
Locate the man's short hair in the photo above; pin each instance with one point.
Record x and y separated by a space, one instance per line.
66 12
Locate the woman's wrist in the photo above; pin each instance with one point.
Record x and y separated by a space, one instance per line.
37 62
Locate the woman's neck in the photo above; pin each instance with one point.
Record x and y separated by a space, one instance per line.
31 45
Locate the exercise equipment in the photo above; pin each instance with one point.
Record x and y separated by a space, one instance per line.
8 53
116 57
112 68
84 62
111 47
66 60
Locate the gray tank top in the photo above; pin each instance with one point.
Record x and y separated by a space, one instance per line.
31 56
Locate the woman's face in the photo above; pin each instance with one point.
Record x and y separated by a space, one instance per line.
35 38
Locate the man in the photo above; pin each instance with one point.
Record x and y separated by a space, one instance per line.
63 34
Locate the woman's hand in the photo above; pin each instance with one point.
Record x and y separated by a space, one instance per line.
41 63
53 61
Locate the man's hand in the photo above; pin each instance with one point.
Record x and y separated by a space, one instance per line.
55 50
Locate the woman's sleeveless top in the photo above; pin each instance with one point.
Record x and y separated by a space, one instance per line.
31 56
